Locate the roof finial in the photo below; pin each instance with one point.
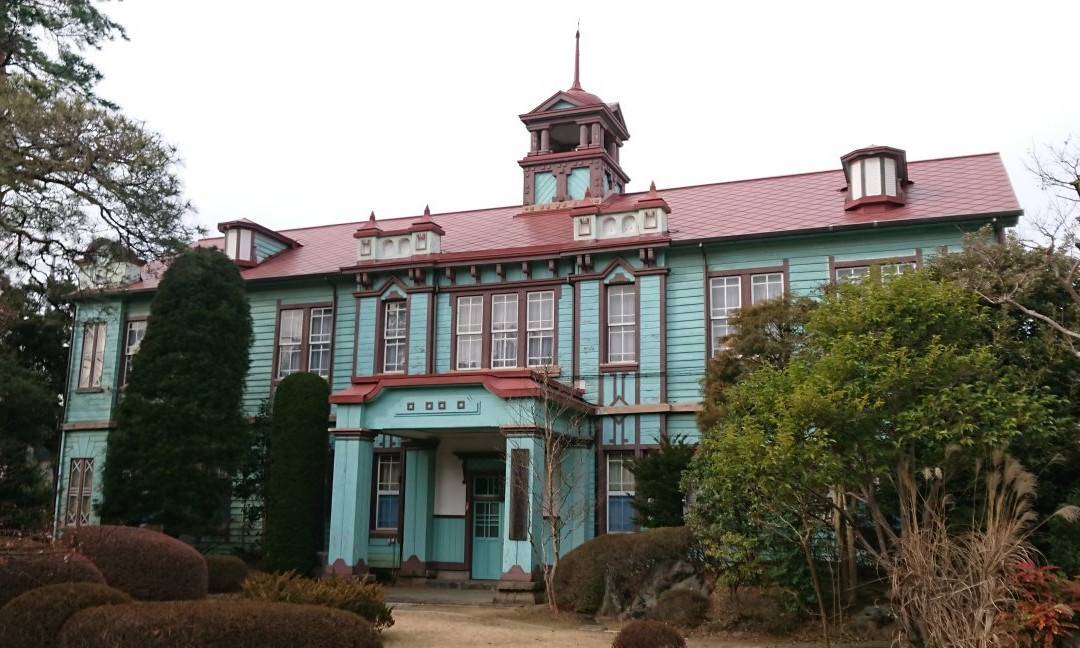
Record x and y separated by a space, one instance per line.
371 218
427 211
577 58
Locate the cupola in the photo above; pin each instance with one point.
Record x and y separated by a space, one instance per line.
875 175
420 237
248 244
574 142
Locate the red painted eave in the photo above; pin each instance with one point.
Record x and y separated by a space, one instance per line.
513 383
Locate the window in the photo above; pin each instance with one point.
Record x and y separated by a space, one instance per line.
303 341
728 293
133 337
849 274
92 361
541 329
80 483
620 492
621 324
239 244
394 329
387 491
470 332
504 331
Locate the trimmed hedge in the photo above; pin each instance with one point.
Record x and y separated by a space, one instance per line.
216 624
362 599
34 618
648 634
630 558
681 607
225 573
146 564
23 571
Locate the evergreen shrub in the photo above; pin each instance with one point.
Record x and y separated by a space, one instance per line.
216 624
34 618
298 444
681 607
647 633
363 599
24 570
225 573
146 564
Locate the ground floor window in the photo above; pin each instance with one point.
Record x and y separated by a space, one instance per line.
620 492
387 491
80 482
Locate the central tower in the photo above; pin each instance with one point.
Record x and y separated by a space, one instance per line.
574 141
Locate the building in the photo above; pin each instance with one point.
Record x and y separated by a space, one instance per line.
453 342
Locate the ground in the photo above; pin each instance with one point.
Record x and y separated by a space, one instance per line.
452 626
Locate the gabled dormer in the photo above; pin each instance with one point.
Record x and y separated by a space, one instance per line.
108 264
876 175
248 244
574 142
421 237
648 217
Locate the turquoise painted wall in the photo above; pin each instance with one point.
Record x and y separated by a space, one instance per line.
82 445
442 333
543 187
649 338
449 539
344 333
365 347
266 247
95 404
418 318
577 182
588 329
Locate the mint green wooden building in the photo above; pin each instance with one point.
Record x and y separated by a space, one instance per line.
455 344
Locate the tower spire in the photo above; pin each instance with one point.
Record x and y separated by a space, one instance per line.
577 58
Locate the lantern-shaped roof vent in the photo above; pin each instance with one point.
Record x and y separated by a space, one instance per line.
875 175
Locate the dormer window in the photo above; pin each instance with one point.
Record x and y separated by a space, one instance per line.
875 175
240 244
248 244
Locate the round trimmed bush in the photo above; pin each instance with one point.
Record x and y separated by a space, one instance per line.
34 618
225 573
146 564
579 580
20 572
681 607
216 624
648 634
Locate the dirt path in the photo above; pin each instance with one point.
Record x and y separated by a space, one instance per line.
430 626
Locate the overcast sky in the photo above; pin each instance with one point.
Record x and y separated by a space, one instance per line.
302 113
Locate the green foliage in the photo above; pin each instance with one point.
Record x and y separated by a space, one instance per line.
659 497
35 618
225 573
363 599
180 432
298 444
217 624
146 564
648 634
25 569
625 561
251 479
681 607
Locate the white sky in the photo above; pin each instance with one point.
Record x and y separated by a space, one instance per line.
302 113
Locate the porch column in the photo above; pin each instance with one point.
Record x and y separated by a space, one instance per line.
524 519
350 508
419 507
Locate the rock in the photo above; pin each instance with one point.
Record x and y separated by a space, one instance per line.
874 622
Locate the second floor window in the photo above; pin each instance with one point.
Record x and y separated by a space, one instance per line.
303 341
541 327
505 330
728 294
849 274
470 332
92 358
133 337
622 324
394 331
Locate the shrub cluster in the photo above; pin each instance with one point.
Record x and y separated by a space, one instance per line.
630 559
681 607
24 570
146 564
216 624
363 599
648 634
225 573
35 618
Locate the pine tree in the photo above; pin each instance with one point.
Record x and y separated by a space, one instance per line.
179 430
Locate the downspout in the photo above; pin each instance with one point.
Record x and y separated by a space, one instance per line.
329 442
63 432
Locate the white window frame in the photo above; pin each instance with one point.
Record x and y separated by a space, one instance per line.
134 333
387 487
622 323
290 340
92 355
394 337
720 310
319 342
79 490
304 345
854 273
504 331
470 333
624 487
540 329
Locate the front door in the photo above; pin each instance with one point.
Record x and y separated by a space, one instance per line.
487 499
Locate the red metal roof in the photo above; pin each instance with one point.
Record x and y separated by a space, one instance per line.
946 188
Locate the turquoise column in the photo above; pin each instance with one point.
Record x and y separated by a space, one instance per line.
350 508
419 514
519 559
